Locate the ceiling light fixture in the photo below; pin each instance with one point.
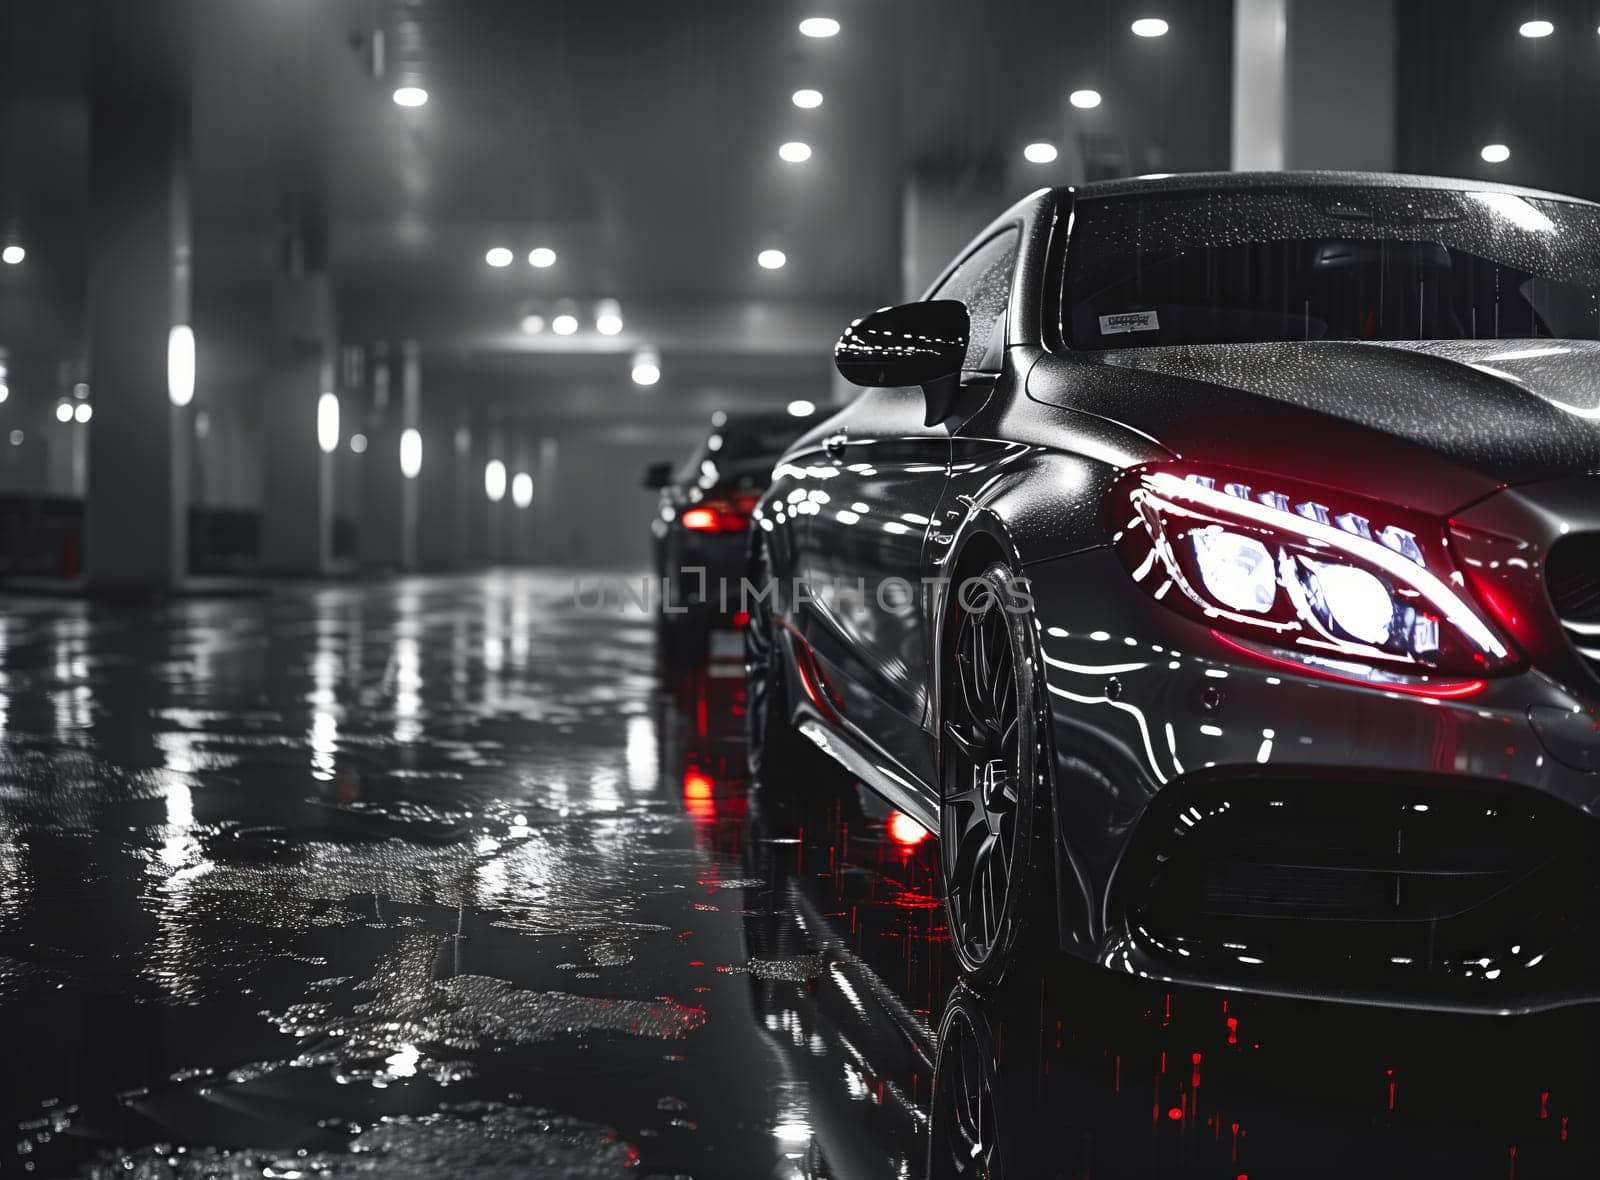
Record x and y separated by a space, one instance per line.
499 256
801 408
794 152
819 26
328 423
1495 153
180 365
533 324
808 100
411 452
1084 100
358 444
1150 26
1537 28
12 255
1040 153
564 325
608 317
494 480
522 489
772 259
82 412
646 368
63 411
410 96
541 256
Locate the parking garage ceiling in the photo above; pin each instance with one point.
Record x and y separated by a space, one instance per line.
642 149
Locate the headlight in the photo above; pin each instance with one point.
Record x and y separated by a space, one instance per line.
1330 576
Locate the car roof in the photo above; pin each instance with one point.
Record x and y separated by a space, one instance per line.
1185 182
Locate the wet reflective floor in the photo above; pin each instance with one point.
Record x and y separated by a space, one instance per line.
445 877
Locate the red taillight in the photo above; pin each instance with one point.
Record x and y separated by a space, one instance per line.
722 514
905 831
702 520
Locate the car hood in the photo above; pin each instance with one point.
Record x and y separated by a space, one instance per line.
1439 422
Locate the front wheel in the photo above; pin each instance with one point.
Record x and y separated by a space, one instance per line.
994 831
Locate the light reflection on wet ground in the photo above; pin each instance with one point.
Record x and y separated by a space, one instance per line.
441 878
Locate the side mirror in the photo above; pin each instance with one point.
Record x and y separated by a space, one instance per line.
914 344
657 476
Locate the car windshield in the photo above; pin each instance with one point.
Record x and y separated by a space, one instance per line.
1346 263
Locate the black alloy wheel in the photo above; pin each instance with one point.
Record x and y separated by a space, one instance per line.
993 842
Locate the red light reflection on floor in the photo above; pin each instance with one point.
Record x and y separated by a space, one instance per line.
697 798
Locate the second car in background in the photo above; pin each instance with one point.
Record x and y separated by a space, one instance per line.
700 529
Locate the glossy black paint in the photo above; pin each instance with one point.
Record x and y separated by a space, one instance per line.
1146 702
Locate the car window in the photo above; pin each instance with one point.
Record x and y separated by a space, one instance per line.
983 283
1253 266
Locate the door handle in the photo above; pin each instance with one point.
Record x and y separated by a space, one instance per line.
834 444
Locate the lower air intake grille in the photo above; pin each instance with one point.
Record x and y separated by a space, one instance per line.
1357 882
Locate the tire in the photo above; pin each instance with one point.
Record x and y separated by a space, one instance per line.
777 752
995 782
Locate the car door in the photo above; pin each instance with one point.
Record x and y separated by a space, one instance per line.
877 482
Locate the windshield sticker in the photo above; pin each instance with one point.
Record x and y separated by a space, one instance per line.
1129 321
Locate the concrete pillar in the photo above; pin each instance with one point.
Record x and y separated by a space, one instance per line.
379 524
548 533
441 540
297 478
136 515
465 481
1314 85
1260 100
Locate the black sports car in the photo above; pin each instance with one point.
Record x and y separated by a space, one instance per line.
700 527
1213 563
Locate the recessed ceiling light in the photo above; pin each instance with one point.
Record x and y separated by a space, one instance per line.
522 489
1040 153
63 411
533 324
564 325
410 96
819 26
12 255
808 99
541 256
83 411
1084 99
801 408
608 317
499 256
358 444
795 152
772 259
646 368
1496 153
1150 26
1537 28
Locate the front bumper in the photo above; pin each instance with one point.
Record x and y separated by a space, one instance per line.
1245 824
